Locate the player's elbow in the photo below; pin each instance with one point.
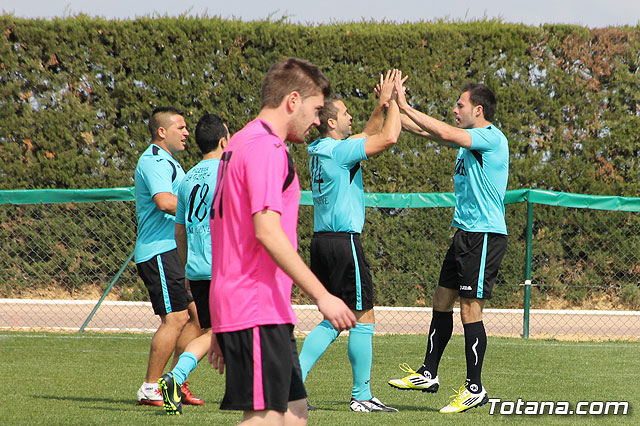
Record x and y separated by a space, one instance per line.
264 235
391 139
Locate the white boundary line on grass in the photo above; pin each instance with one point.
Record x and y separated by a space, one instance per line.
528 342
314 307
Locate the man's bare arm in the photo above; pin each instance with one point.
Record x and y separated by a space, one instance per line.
270 234
166 202
437 130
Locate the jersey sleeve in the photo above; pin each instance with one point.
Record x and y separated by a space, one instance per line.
157 175
183 200
266 171
349 152
481 139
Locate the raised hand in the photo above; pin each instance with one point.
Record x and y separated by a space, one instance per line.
386 86
335 310
400 91
215 354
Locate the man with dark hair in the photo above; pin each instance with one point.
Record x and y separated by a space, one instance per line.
471 264
193 240
254 218
337 256
157 178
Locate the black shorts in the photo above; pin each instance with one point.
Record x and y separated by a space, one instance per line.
472 262
338 260
262 368
163 275
200 293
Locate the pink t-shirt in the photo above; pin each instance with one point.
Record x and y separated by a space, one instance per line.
247 288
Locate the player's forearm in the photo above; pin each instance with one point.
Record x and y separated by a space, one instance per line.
270 234
166 202
181 243
393 125
411 127
388 136
374 125
437 130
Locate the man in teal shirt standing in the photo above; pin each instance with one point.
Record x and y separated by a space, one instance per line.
471 264
337 257
157 178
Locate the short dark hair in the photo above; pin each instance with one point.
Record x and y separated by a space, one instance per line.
209 130
158 117
291 75
482 95
328 111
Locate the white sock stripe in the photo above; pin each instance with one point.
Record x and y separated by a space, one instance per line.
431 341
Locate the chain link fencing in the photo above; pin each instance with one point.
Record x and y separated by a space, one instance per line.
571 269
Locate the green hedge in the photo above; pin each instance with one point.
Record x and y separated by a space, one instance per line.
75 95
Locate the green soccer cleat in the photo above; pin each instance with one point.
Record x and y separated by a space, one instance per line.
415 381
172 401
464 399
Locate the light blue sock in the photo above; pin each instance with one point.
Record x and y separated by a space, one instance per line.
186 364
315 344
361 355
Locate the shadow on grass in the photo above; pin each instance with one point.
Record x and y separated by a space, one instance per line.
342 406
127 401
131 405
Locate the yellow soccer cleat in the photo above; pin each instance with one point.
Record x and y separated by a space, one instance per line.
415 381
465 399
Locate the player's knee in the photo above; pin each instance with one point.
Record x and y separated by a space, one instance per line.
444 299
470 310
297 413
177 319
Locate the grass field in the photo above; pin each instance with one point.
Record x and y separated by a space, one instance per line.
92 379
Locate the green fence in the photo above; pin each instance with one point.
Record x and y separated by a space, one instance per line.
571 268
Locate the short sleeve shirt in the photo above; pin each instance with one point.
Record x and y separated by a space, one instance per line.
336 184
481 176
247 288
157 171
194 202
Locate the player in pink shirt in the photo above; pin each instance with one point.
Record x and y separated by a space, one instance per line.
254 243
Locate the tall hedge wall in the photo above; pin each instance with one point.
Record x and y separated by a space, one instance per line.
75 95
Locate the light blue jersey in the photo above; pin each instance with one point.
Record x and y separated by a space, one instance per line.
194 202
336 183
157 171
480 179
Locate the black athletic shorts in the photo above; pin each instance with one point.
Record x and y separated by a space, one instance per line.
472 262
163 275
262 368
338 260
200 293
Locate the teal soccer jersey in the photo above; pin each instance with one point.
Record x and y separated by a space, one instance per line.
156 172
481 182
336 183
194 202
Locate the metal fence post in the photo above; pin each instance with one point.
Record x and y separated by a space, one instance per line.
106 292
527 280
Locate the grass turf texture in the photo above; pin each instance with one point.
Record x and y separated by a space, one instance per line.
93 378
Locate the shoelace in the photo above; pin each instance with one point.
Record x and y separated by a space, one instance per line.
458 393
185 390
407 368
